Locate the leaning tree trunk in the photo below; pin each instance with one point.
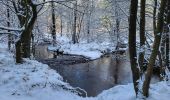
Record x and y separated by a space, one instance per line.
155 50
132 44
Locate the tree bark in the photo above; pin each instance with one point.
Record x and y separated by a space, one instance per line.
74 36
53 22
142 35
61 25
23 45
167 35
154 16
132 44
155 50
18 52
8 24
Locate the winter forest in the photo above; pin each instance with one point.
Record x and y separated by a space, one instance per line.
84 50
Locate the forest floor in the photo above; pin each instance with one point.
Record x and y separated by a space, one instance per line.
33 80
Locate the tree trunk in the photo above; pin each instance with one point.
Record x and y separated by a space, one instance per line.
23 45
155 50
53 22
80 26
154 16
162 68
26 45
74 37
117 24
142 35
167 35
132 44
8 24
61 25
18 52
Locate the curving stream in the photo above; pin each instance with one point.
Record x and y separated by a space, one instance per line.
92 76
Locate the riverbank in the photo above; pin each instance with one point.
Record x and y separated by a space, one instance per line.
36 81
43 55
31 81
62 60
92 50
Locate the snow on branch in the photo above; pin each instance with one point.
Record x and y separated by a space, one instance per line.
52 1
12 33
11 29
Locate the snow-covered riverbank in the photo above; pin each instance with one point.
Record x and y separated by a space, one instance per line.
92 50
30 81
36 81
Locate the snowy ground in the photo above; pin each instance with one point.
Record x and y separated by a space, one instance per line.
35 81
30 81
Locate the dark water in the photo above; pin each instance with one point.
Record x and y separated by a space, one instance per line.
98 75
94 76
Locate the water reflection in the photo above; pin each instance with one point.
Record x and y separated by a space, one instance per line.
41 52
98 75
94 76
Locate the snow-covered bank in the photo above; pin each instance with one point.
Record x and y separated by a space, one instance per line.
79 49
31 81
91 50
158 91
36 81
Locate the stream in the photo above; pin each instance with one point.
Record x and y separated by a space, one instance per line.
92 76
